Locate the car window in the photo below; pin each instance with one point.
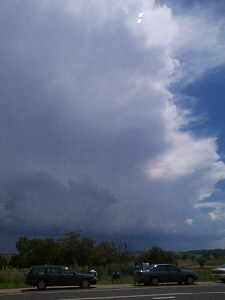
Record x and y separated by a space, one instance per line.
38 270
56 270
172 269
151 267
67 271
53 270
162 268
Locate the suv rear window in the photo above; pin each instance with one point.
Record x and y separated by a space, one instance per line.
53 270
38 270
66 271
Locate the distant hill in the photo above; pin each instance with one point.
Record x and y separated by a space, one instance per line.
214 252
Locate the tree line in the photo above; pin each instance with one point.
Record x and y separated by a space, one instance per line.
76 250
71 250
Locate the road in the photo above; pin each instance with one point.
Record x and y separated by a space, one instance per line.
163 292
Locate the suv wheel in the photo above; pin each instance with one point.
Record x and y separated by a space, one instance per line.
41 285
85 284
189 280
155 281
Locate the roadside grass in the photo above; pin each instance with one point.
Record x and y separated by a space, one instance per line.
107 279
204 274
13 278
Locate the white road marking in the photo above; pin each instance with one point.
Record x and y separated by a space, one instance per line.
158 298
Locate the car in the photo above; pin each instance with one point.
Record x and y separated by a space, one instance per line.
219 273
157 273
48 275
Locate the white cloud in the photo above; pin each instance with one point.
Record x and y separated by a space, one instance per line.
185 156
214 216
189 221
199 44
217 209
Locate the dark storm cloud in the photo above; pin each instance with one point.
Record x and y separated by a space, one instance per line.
39 202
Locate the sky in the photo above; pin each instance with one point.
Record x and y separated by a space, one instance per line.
112 121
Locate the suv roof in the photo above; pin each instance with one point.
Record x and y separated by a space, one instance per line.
49 266
161 265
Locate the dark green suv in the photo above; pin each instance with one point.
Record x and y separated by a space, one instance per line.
43 276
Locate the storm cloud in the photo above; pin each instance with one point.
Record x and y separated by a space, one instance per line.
93 136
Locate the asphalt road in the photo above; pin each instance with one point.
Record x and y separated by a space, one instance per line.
162 292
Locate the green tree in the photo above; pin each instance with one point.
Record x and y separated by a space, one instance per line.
84 251
45 251
103 254
3 262
23 245
38 251
24 248
201 261
121 250
157 255
192 258
70 243
19 261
